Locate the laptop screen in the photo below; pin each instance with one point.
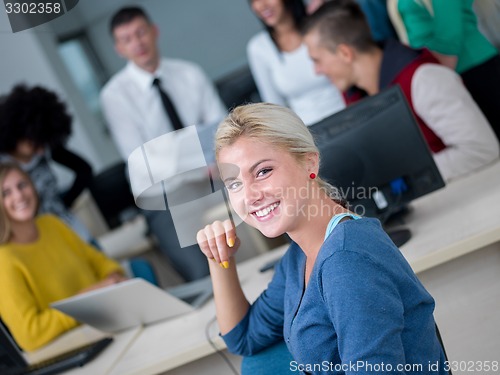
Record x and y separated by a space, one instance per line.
12 359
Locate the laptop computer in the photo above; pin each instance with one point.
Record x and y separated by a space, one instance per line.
13 361
128 304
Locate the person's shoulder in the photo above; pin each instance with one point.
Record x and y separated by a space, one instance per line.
170 64
6 255
353 235
435 73
433 80
259 42
45 221
115 82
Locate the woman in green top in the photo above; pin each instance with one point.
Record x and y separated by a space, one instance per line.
449 29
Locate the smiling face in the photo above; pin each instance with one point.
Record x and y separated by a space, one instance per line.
271 12
268 188
26 150
136 41
19 199
336 65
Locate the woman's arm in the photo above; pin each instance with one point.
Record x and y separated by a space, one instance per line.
447 27
219 243
259 53
449 61
31 325
436 25
81 169
246 329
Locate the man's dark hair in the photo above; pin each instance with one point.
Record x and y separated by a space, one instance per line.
341 22
34 114
125 15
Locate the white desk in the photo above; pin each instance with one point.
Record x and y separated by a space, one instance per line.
456 220
461 218
81 336
169 344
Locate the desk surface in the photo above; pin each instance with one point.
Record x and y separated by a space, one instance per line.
456 220
449 223
166 345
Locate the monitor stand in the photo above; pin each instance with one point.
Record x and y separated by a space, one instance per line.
399 236
394 226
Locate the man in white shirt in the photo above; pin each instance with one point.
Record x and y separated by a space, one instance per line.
135 111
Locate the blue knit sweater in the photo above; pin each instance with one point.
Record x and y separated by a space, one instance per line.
363 312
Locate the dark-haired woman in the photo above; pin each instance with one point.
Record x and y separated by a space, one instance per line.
34 125
281 66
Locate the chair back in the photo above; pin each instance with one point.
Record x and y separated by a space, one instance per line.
111 192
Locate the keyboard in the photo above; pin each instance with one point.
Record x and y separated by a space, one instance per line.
73 358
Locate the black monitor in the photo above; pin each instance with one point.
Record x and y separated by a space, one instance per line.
375 153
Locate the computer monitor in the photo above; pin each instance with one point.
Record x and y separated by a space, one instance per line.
375 153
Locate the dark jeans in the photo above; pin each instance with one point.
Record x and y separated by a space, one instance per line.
483 83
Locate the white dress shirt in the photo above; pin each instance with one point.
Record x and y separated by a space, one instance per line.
134 110
288 79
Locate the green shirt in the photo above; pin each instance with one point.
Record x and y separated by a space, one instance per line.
451 31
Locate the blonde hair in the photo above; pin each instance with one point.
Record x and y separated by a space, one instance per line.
276 125
5 225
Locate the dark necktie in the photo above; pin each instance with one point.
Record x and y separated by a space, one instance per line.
168 105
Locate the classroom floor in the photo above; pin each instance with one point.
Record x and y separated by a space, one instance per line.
467 294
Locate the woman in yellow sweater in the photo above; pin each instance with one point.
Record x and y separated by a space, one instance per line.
41 261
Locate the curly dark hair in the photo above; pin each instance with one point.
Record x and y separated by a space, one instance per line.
34 114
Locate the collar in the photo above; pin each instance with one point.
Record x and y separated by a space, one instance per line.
143 78
396 57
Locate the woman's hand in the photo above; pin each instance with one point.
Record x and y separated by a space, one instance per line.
113 278
218 241
446 60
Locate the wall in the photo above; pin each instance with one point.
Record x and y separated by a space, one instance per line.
212 33
30 57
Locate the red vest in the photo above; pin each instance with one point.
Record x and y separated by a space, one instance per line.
403 79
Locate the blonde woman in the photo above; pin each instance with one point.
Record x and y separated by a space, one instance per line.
343 293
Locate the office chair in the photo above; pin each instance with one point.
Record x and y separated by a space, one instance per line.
111 192
238 88
438 334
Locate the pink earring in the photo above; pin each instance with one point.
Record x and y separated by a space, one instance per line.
312 176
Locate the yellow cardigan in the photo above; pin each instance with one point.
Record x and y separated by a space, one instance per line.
58 265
